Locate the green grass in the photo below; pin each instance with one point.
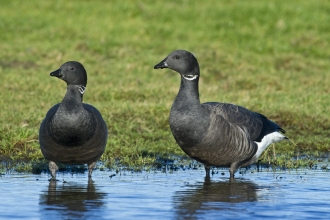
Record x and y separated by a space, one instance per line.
269 56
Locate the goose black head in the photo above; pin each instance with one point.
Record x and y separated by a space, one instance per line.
72 72
183 62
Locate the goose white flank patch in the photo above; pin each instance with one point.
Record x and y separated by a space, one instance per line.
267 140
73 132
215 134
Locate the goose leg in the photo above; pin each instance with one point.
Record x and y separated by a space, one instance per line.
233 168
53 168
207 179
207 170
91 166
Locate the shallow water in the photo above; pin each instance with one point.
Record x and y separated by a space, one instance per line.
301 194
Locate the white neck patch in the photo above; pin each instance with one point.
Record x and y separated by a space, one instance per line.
190 77
81 89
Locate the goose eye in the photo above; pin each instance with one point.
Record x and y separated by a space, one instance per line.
177 57
71 68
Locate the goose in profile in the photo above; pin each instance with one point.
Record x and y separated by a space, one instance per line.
215 134
73 132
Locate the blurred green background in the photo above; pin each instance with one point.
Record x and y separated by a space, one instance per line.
270 56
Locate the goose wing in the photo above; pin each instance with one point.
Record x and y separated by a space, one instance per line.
257 125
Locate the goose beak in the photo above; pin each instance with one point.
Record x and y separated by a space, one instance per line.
161 65
56 73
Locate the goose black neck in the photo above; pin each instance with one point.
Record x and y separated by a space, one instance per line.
188 92
73 97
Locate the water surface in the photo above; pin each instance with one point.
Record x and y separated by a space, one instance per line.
301 194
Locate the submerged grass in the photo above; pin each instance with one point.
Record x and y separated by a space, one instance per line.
269 56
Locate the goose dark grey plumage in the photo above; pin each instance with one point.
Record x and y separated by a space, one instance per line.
72 132
215 134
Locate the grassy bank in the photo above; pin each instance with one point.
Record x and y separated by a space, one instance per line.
269 56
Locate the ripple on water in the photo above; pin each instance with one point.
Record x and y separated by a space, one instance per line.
301 194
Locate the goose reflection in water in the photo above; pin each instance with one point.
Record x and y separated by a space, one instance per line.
216 196
71 201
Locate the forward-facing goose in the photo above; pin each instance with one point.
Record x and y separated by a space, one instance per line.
215 134
72 132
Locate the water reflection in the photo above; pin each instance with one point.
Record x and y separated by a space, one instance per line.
207 196
71 201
